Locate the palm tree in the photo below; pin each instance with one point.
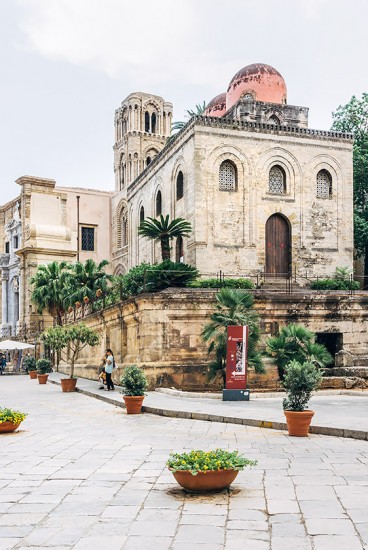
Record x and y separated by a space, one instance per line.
233 307
50 283
86 279
197 111
297 342
161 229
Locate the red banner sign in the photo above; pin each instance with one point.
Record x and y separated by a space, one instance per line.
236 358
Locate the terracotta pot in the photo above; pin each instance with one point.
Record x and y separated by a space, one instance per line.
133 403
68 384
42 378
33 374
7 427
203 482
298 422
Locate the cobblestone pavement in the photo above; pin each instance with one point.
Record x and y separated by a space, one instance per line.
81 474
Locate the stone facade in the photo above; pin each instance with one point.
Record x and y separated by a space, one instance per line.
161 332
39 227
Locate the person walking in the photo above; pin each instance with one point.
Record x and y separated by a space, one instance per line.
102 373
109 367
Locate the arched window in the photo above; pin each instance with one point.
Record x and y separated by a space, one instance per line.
122 178
227 176
179 186
324 184
179 250
141 215
274 120
146 122
122 228
148 161
276 181
153 123
158 204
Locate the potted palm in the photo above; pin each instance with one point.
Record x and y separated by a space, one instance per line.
300 380
10 419
134 384
43 369
30 364
201 471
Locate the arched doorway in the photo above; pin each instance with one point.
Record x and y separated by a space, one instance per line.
278 246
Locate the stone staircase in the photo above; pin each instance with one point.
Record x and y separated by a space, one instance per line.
350 371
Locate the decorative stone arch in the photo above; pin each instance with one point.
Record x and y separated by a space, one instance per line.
236 156
278 156
149 154
275 116
119 270
249 94
122 224
328 163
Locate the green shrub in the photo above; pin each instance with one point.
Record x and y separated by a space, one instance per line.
29 363
340 281
223 283
133 381
44 366
201 461
299 381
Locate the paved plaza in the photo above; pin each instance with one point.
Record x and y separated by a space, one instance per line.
82 474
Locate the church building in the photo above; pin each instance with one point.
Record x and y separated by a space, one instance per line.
263 192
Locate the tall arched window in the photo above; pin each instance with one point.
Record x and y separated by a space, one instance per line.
179 186
148 161
153 123
276 180
146 122
124 229
158 204
324 184
228 176
179 250
141 215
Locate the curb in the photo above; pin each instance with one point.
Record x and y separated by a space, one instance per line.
256 423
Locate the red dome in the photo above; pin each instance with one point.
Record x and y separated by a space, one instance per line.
217 106
262 82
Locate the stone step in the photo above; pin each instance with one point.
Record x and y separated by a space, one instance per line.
343 382
361 361
361 372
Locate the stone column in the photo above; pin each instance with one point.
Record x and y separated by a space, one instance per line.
4 296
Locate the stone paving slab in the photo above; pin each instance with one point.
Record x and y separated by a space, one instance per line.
341 415
108 487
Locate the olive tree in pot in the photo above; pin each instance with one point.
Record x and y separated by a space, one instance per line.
300 380
134 384
77 337
43 369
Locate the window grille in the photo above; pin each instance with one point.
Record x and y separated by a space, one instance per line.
276 181
88 238
324 185
227 176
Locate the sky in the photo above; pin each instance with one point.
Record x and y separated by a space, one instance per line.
66 66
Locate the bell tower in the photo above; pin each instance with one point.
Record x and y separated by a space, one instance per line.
142 126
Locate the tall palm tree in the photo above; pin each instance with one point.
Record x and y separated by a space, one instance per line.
297 342
233 307
197 111
49 288
86 278
163 230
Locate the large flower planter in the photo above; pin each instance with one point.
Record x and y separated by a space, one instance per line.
42 378
68 384
204 482
133 403
33 374
7 427
298 422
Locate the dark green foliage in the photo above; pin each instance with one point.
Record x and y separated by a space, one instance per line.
341 281
163 230
85 279
222 283
29 363
44 366
297 342
168 274
133 381
50 284
233 307
300 380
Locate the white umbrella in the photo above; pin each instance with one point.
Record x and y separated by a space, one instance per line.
13 344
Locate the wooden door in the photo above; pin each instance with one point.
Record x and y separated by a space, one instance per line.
278 252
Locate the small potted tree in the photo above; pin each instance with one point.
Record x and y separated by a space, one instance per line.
43 369
134 384
30 364
77 337
300 380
